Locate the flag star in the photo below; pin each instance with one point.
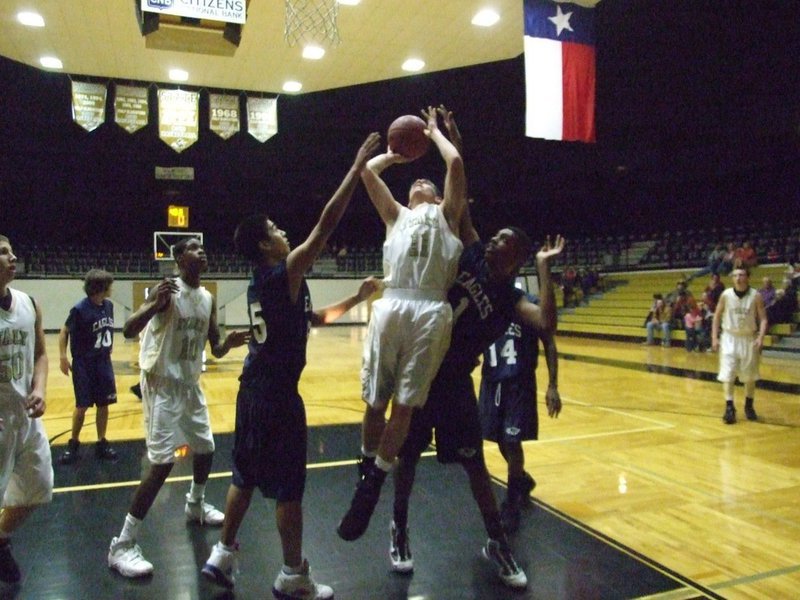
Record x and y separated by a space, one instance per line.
561 20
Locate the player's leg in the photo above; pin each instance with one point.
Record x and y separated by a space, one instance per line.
727 375
105 394
196 427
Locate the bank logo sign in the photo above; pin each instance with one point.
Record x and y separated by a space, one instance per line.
228 11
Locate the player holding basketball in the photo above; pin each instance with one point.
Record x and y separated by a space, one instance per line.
89 330
178 318
485 301
741 314
409 329
26 472
269 451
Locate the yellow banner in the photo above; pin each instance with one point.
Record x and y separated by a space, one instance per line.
223 118
88 104
130 107
178 118
262 118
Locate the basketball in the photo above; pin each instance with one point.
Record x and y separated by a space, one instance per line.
406 136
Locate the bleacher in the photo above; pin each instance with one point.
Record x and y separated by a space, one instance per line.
619 312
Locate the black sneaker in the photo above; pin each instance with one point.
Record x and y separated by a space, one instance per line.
136 390
9 570
364 465
510 515
70 455
400 550
368 491
750 412
730 415
104 451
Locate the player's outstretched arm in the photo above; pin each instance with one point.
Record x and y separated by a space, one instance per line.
543 318
455 182
301 258
330 313
379 194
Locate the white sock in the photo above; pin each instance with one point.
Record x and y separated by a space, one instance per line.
367 453
129 529
197 491
293 570
384 465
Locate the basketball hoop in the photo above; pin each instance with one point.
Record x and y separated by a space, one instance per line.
311 21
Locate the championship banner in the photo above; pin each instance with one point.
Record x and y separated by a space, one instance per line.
224 114
88 104
262 118
130 107
178 118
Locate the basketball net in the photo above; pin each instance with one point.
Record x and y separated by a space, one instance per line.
311 21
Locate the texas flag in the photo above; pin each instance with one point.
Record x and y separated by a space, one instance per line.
559 70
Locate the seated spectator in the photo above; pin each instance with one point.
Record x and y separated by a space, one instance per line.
569 281
714 261
726 266
745 256
694 324
713 291
785 305
660 317
767 292
773 255
682 302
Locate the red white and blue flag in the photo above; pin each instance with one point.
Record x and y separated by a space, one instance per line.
559 71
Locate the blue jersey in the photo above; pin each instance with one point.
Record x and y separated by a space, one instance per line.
91 329
482 310
514 353
279 327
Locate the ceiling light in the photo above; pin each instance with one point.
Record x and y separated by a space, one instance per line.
178 75
413 64
292 86
51 62
349 2
485 18
313 52
31 19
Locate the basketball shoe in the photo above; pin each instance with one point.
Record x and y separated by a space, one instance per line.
104 451
70 455
368 491
300 586
400 550
730 415
126 557
222 566
198 511
499 554
749 411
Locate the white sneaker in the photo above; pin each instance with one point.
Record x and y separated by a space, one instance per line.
499 554
126 557
400 550
203 513
221 566
300 587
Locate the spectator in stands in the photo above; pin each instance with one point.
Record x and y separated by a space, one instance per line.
682 302
660 317
726 266
745 256
569 283
773 255
714 261
767 292
693 324
713 291
786 304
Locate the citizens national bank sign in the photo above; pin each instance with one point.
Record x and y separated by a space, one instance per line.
229 11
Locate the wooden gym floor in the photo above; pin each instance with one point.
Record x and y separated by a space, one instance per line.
642 491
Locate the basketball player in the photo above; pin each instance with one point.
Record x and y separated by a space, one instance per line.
26 472
177 318
409 329
269 451
507 404
90 332
741 314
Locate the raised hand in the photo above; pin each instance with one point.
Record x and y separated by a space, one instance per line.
367 149
548 250
431 117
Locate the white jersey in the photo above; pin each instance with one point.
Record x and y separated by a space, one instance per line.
420 251
739 314
173 342
17 344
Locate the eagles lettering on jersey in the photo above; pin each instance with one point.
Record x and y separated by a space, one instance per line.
91 328
482 309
